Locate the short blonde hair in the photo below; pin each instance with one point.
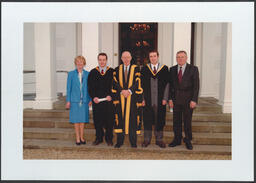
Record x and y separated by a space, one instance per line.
80 57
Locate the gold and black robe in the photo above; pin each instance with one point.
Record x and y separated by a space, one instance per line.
128 111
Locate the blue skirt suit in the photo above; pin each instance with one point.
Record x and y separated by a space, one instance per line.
78 97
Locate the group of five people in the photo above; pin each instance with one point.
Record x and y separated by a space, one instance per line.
125 97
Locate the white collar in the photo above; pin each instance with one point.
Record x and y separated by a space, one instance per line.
128 66
183 66
156 65
104 68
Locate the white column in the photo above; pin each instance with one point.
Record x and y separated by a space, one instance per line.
90 44
66 51
107 41
226 71
116 42
29 59
210 44
198 45
165 46
45 65
78 39
181 39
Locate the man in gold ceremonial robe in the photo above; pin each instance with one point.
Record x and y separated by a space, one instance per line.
127 100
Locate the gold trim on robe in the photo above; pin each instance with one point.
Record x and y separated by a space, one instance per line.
113 90
116 102
116 119
137 74
139 86
122 104
114 77
128 102
157 70
139 104
118 130
138 120
98 68
121 84
121 75
127 114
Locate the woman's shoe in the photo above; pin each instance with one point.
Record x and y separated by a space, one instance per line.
82 142
78 143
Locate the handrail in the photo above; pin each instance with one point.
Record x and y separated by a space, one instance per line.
32 71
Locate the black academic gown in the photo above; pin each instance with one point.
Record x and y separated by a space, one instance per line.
148 113
127 110
100 85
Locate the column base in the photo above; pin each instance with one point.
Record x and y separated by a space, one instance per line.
43 103
226 106
28 104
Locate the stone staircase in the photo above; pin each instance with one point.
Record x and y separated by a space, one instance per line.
50 129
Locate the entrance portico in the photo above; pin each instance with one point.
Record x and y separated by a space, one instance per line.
56 45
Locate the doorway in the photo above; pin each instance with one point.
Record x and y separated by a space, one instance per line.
139 39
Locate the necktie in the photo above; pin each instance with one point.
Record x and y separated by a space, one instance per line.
125 74
154 71
102 71
180 75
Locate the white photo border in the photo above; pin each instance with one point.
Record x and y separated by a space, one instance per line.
240 168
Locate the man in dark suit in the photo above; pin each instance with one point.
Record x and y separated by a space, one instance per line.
184 88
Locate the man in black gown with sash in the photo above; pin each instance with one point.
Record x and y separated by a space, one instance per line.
155 85
99 86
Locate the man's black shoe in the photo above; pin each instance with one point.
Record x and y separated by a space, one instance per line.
145 144
118 145
97 142
161 144
188 145
110 143
134 146
174 143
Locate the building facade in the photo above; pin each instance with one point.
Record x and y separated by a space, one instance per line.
50 49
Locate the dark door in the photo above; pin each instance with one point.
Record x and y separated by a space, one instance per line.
138 38
192 48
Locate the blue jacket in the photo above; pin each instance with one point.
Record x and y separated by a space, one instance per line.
73 87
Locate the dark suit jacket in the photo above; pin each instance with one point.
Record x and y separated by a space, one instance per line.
188 89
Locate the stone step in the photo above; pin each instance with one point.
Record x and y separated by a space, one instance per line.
208 109
201 100
205 109
102 148
68 134
210 127
46 113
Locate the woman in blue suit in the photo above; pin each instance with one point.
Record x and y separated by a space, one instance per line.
78 100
